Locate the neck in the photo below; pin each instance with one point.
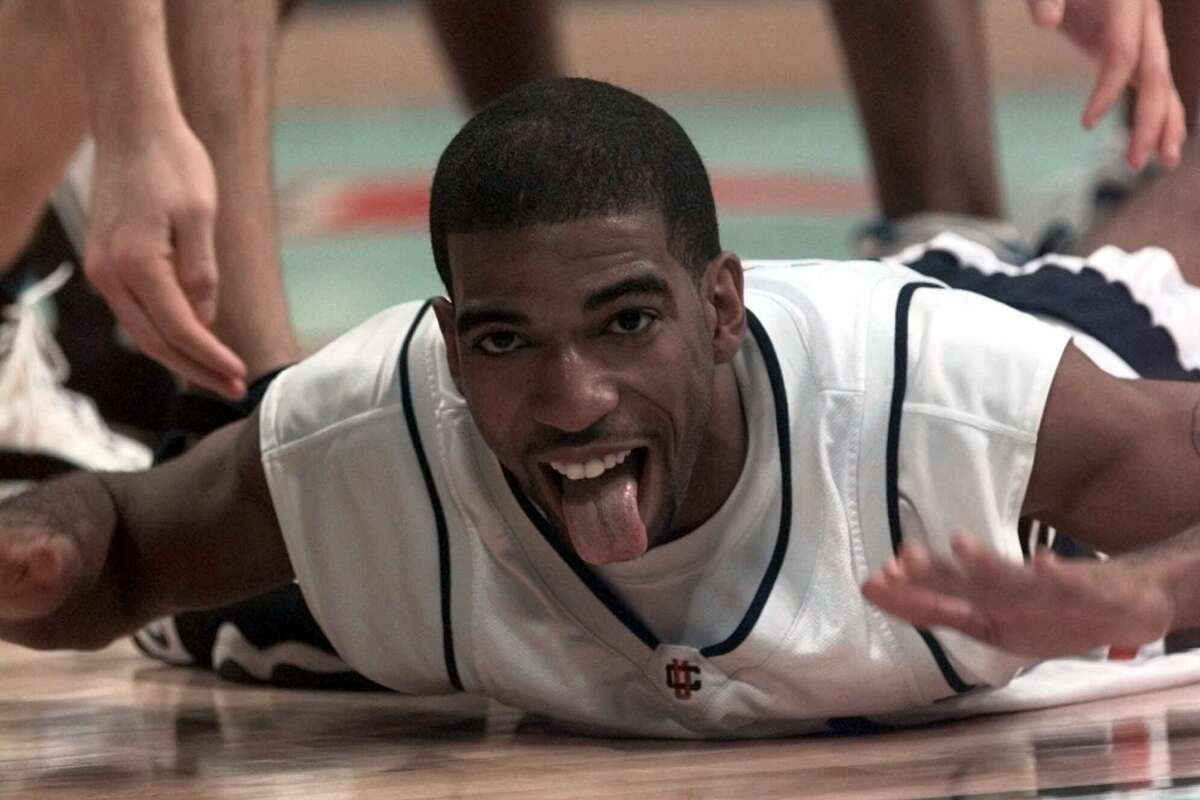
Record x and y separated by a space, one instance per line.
722 454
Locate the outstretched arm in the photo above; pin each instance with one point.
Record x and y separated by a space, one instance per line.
1117 466
89 557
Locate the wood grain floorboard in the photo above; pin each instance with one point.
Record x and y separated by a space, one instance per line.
114 725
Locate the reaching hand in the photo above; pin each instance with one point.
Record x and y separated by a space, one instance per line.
38 570
1126 38
1047 608
151 254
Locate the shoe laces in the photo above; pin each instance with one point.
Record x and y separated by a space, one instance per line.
31 358
26 343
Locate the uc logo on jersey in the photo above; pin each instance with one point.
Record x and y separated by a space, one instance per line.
679 678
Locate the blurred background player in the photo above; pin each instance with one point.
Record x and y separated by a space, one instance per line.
174 208
920 73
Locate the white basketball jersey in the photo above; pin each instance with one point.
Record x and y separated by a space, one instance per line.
881 407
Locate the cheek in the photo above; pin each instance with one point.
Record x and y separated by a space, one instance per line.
495 402
674 379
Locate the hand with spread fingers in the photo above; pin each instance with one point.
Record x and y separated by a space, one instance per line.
1046 608
150 252
1126 38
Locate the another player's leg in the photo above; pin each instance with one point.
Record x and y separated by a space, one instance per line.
920 74
44 428
223 53
42 115
274 638
1163 213
495 47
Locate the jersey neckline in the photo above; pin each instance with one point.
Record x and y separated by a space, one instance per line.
615 605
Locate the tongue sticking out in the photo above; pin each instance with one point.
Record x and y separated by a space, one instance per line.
602 516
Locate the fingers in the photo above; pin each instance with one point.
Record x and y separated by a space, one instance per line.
986 572
197 263
1158 125
1157 115
1170 147
1126 37
923 607
1049 607
168 309
164 324
1156 96
1116 70
926 592
961 591
1047 13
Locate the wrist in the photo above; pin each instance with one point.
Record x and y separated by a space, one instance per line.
132 122
127 70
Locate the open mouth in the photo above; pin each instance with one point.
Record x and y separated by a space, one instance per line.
560 473
600 501
597 477
592 468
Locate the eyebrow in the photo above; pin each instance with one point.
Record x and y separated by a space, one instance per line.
474 317
640 284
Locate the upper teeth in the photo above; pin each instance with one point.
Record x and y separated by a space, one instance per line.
592 468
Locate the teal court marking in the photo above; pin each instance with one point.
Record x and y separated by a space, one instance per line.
798 148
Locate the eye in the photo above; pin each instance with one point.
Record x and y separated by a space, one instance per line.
501 343
632 321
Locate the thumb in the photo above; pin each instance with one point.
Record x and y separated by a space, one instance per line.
1047 13
196 267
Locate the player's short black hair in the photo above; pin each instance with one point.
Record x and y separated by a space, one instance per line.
564 149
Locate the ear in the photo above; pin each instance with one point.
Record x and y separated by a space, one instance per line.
444 310
724 307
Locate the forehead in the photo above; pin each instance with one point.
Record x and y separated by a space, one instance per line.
563 259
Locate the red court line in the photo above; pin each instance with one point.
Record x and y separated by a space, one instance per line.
401 202
807 194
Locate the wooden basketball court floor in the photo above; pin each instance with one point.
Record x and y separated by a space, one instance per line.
782 142
115 725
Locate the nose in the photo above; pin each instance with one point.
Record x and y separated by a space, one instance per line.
571 393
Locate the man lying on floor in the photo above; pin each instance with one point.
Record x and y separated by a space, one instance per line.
617 479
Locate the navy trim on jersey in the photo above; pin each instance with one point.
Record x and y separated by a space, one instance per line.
600 589
439 517
614 604
899 387
1087 300
783 431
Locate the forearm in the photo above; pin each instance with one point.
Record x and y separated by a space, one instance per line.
90 609
126 70
87 558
